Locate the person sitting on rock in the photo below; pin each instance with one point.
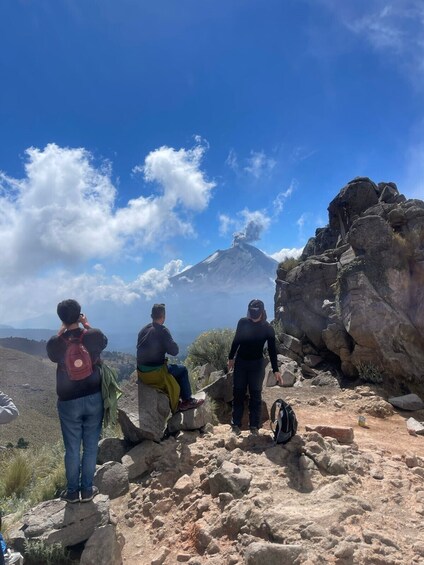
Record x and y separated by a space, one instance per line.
153 343
80 402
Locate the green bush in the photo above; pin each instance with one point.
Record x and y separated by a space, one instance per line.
289 263
22 443
211 347
369 373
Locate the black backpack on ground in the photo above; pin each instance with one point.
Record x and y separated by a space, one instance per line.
283 421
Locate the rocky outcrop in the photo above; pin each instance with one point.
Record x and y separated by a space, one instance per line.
142 411
56 521
358 290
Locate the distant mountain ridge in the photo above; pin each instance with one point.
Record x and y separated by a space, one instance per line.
212 294
241 266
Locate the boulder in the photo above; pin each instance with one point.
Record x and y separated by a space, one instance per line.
288 377
111 449
259 553
407 402
221 388
194 419
56 521
112 479
142 458
229 478
142 411
102 547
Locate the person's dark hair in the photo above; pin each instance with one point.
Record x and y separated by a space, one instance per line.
69 311
158 311
256 309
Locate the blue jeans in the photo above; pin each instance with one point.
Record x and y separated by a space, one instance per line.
180 373
81 423
248 374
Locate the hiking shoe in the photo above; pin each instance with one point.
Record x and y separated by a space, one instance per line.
236 430
189 404
254 431
70 497
89 494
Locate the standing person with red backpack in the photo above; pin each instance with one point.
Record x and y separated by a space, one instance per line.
77 351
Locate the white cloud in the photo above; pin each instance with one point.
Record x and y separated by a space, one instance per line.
395 29
155 281
178 172
89 288
301 153
285 253
258 164
232 160
281 197
64 210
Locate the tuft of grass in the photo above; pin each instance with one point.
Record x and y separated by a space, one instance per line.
17 476
31 476
369 373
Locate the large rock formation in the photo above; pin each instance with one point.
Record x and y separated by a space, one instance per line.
358 290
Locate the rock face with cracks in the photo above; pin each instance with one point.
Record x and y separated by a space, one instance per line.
357 292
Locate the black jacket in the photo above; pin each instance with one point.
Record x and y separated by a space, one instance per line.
95 341
250 339
153 343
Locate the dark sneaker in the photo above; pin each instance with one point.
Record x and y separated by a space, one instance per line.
189 404
236 430
254 431
87 495
70 497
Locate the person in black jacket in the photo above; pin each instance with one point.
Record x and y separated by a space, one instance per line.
247 349
80 402
153 344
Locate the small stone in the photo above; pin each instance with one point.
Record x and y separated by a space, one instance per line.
183 557
414 426
377 473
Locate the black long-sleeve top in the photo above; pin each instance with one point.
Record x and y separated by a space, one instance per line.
153 343
250 339
95 341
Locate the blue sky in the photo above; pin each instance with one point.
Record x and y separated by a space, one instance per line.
137 137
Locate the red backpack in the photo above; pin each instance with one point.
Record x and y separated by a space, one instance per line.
77 358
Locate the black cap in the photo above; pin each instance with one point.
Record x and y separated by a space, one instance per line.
255 309
69 311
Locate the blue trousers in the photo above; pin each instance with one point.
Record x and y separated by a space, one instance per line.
180 373
248 375
81 423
